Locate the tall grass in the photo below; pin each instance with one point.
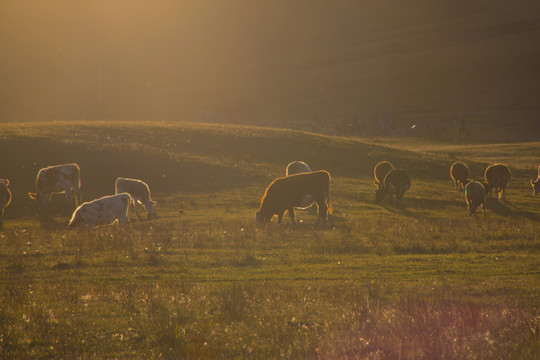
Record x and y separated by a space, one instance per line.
202 281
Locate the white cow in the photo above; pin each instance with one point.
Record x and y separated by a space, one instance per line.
5 199
56 180
140 193
102 211
297 167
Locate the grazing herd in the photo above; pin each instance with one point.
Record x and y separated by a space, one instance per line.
299 188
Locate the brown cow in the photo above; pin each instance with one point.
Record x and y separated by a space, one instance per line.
5 199
459 172
536 184
286 193
380 171
497 177
395 182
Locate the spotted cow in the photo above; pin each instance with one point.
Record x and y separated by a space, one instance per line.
103 211
140 194
56 180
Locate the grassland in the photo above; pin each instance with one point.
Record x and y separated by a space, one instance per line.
202 281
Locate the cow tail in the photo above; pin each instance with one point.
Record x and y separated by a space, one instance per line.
328 202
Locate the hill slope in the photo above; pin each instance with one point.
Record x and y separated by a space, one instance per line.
204 158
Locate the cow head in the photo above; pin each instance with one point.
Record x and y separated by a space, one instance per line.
380 193
535 186
150 208
262 217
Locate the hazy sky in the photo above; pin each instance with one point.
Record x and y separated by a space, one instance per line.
241 59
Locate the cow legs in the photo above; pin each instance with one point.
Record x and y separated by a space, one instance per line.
323 210
136 210
280 216
291 214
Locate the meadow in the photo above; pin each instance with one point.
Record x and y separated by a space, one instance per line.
201 281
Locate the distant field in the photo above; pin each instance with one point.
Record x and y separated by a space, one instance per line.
202 281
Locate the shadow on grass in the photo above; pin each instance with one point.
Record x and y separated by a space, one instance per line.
507 209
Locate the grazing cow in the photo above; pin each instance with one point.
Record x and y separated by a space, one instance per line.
5 199
56 180
459 172
536 184
140 193
475 195
497 177
102 211
286 193
297 167
396 182
380 171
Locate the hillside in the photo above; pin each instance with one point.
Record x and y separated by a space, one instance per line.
183 158
295 64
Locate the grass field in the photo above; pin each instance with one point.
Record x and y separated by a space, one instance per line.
202 281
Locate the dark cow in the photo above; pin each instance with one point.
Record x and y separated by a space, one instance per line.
475 195
298 167
380 171
5 199
497 176
396 182
536 184
459 172
56 180
286 193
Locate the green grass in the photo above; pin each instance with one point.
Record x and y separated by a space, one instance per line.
202 281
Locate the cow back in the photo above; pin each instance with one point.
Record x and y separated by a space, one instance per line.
497 175
380 171
459 171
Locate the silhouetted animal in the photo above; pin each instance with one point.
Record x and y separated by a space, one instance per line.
396 182
5 199
475 195
286 193
102 211
459 172
536 184
298 167
140 193
56 180
380 171
497 176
